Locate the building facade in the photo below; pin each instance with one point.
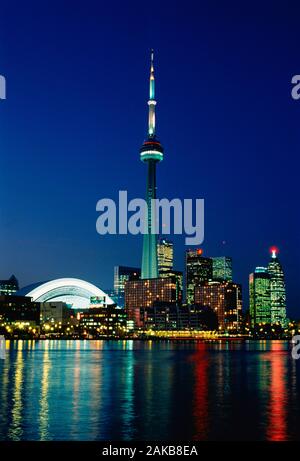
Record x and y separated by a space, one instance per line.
225 299
222 268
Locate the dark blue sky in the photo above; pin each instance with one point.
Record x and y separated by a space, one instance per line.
76 115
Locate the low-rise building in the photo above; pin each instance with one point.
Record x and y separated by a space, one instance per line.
56 313
164 316
19 311
110 321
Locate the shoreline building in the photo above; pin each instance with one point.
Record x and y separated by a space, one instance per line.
151 153
259 296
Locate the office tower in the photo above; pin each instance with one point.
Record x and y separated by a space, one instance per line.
10 286
222 268
143 293
197 269
259 296
121 275
277 289
225 299
164 255
151 153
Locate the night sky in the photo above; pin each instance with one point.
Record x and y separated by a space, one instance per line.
76 115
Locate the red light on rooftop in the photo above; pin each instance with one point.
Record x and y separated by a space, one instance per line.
274 251
199 251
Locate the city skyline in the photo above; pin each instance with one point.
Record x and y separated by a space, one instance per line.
145 309
67 244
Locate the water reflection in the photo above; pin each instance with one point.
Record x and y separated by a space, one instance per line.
131 390
44 398
201 385
278 400
15 429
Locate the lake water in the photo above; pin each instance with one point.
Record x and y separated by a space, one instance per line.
134 390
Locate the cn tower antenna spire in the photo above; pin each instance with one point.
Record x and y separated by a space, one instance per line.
151 102
152 79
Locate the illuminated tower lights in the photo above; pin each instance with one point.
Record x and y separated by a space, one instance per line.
151 153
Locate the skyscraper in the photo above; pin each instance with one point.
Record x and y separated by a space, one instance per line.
164 255
222 268
259 295
277 289
197 269
151 153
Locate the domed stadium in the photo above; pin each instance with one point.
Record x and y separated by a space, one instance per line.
76 293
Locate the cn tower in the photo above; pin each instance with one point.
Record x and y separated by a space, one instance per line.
151 153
